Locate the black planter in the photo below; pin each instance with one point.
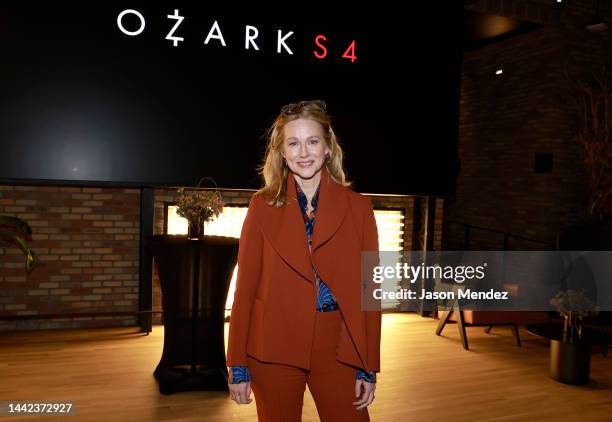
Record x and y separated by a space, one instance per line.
570 362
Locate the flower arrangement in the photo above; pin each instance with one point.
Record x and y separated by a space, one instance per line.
198 207
574 306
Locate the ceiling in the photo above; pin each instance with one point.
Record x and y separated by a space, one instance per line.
480 29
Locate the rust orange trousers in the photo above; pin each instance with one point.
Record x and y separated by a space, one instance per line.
279 389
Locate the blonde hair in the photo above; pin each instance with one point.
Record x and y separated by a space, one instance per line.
274 171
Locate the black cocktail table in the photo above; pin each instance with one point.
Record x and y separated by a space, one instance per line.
195 275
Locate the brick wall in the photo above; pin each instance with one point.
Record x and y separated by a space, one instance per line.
86 241
86 244
505 120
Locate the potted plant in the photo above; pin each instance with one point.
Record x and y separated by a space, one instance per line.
591 89
570 356
591 94
18 232
198 207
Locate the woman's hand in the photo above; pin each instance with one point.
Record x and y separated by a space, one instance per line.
367 393
241 392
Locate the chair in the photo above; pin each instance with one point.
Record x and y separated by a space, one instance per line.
488 319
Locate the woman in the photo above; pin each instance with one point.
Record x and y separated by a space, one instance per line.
297 317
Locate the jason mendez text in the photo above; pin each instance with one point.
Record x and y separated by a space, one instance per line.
403 294
465 294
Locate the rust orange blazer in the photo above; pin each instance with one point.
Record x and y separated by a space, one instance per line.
273 313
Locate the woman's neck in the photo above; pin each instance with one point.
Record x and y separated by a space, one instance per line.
308 186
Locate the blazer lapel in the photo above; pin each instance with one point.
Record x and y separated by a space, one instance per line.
331 209
284 228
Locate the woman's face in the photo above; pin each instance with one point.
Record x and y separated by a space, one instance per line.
304 147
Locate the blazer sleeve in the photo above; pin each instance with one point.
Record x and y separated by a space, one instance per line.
373 317
249 269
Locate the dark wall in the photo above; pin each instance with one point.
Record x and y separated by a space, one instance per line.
81 101
522 166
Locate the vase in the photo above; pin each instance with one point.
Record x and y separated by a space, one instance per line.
195 230
572 331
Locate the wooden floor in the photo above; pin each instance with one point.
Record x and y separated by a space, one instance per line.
108 374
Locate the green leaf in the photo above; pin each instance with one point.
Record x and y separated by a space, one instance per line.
9 236
18 224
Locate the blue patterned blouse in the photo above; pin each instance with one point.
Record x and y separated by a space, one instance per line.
325 299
